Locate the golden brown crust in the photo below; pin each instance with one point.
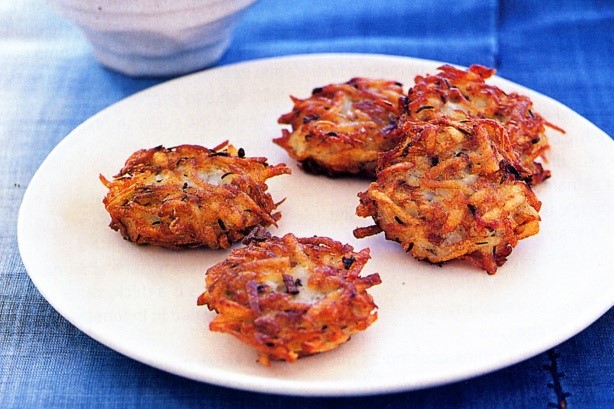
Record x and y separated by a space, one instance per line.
459 94
191 196
451 190
341 128
290 297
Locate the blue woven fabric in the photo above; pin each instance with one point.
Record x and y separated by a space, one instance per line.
50 83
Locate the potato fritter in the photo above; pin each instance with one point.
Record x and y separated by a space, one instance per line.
459 94
290 297
451 190
341 128
191 196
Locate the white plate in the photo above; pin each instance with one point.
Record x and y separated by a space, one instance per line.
436 325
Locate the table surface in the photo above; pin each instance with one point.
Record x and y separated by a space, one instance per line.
50 83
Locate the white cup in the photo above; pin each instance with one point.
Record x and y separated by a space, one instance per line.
155 37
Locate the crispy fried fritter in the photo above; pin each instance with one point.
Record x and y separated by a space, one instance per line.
191 196
341 128
459 94
290 297
451 190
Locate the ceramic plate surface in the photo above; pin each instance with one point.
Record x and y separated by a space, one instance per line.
436 324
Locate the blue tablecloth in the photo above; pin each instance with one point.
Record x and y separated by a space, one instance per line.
50 83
